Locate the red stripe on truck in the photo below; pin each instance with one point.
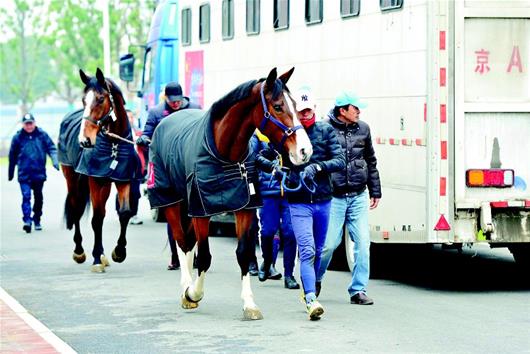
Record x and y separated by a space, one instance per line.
443 186
443 149
527 203
442 40
443 113
499 204
442 77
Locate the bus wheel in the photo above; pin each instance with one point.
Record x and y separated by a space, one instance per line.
521 253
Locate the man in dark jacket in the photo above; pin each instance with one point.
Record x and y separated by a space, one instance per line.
28 151
350 195
174 101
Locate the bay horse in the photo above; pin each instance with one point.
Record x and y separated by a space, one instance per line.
96 150
178 182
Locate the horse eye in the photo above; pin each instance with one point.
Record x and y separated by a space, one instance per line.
101 100
277 108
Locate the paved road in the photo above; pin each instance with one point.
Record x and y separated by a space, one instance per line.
437 301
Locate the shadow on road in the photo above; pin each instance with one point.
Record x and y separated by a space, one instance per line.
448 270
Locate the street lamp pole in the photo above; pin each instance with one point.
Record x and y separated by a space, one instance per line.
106 38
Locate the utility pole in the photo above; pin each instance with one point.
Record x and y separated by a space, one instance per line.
106 38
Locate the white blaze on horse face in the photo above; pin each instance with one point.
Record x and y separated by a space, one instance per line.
86 113
303 148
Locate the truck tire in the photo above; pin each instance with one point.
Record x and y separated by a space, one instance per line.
157 215
521 253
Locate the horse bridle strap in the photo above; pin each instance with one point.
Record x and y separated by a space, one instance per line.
267 116
103 121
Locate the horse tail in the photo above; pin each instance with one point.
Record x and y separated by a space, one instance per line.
77 201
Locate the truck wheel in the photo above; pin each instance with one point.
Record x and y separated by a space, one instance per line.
521 253
157 215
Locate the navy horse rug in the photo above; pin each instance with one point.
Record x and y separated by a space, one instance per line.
185 165
109 158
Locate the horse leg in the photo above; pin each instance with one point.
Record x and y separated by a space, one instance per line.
74 207
244 254
204 259
99 193
178 221
120 252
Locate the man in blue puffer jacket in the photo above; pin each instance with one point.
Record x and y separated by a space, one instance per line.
273 215
28 151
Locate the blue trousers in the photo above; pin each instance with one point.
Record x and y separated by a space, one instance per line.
274 215
26 188
310 225
352 211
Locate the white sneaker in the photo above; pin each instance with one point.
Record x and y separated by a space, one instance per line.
135 220
315 310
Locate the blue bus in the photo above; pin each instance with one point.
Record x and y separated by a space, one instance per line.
161 57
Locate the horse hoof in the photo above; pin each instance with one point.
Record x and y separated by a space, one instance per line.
252 314
187 304
104 261
97 268
116 258
79 258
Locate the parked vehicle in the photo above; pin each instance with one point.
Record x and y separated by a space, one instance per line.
447 83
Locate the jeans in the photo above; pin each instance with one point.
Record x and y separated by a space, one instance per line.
273 215
354 212
310 224
26 188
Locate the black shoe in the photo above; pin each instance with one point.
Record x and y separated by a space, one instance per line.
318 286
361 299
38 226
172 266
253 269
263 274
290 282
274 274
27 227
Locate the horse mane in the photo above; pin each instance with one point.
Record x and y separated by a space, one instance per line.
221 106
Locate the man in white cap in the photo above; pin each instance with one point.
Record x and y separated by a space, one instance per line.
351 201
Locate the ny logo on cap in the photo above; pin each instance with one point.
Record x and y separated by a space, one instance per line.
304 98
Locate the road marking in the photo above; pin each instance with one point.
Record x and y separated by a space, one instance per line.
35 324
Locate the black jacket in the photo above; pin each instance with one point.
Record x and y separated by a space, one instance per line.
28 152
159 112
361 164
328 154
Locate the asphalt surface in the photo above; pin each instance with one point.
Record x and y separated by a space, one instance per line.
425 300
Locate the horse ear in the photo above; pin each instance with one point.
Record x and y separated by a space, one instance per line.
271 78
286 76
84 77
101 78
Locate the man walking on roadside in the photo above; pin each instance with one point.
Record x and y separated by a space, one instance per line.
28 151
351 199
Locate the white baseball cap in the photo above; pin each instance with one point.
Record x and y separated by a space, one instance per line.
304 99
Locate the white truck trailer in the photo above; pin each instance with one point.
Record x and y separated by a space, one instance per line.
448 89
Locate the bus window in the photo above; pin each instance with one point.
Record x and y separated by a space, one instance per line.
186 26
228 19
204 23
281 14
313 11
349 8
390 4
253 16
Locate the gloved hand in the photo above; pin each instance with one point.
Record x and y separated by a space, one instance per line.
143 141
56 165
278 172
311 170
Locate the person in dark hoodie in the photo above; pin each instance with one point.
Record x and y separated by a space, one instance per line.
173 101
309 206
357 187
28 151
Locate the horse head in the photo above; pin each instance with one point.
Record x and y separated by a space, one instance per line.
103 104
276 118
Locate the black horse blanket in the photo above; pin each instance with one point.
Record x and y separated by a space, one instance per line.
109 158
185 165
68 149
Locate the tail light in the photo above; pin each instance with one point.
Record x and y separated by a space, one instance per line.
489 178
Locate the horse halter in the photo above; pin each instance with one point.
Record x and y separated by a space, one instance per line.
110 114
267 116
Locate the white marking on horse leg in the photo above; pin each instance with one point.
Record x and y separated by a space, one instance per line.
196 291
246 293
185 271
86 113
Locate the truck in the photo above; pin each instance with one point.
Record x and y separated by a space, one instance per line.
448 91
